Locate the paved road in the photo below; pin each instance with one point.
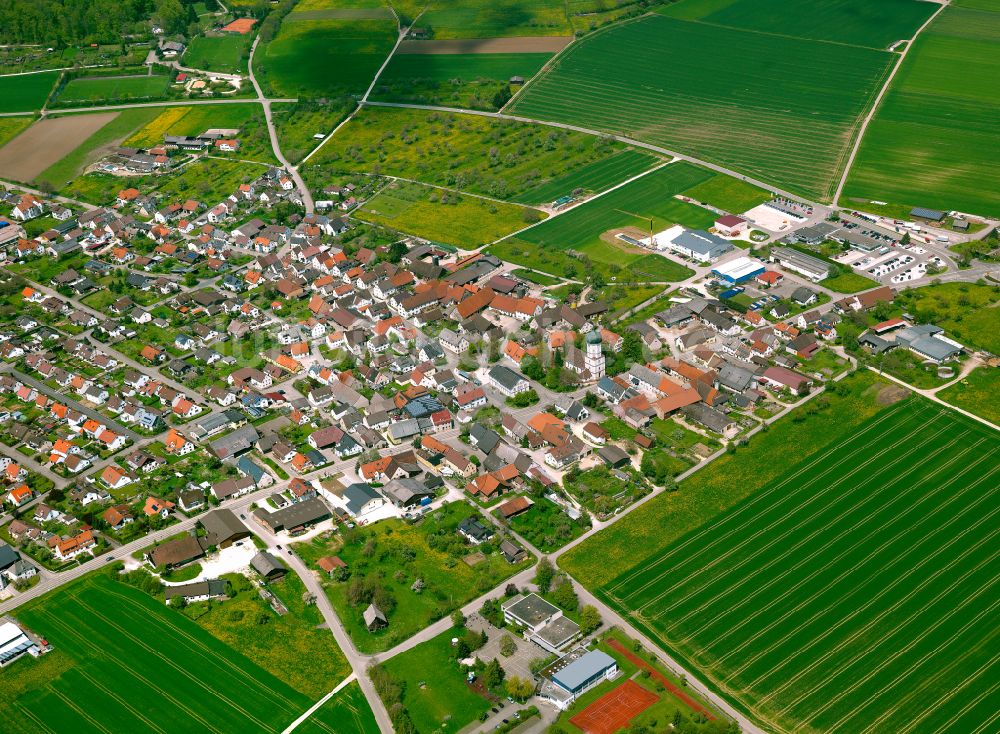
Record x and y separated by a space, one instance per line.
275 145
878 101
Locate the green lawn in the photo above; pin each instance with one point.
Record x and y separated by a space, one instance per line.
26 92
444 216
227 54
854 589
849 282
347 712
113 89
468 81
537 278
580 229
497 158
707 90
978 392
434 690
124 661
389 557
729 193
314 58
924 146
547 526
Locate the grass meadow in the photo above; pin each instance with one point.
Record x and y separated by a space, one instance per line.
856 591
780 108
11 127
496 18
978 392
124 661
968 312
113 89
592 177
854 22
547 246
468 81
26 92
347 712
925 145
497 158
227 54
314 58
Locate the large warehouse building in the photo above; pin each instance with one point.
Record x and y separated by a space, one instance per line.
739 270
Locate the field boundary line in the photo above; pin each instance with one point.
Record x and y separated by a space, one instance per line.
754 499
773 540
878 102
807 558
870 624
312 709
762 530
840 577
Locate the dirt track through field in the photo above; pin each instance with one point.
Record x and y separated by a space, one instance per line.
524 45
46 142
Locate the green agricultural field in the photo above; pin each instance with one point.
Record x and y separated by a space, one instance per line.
314 58
444 216
583 229
594 177
11 127
968 312
113 89
925 145
297 123
347 712
856 591
978 392
26 92
729 193
496 158
433 686
496 18
227 54
780 108
387 558
72 165
468 81
854 22
124 661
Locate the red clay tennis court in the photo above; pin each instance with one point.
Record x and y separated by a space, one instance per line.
614 710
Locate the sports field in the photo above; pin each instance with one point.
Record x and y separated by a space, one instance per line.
26 92
313 58
856 592
925 145
132 664
584 229
614 710
112 89
781 108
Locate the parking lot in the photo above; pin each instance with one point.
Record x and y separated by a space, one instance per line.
519 663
